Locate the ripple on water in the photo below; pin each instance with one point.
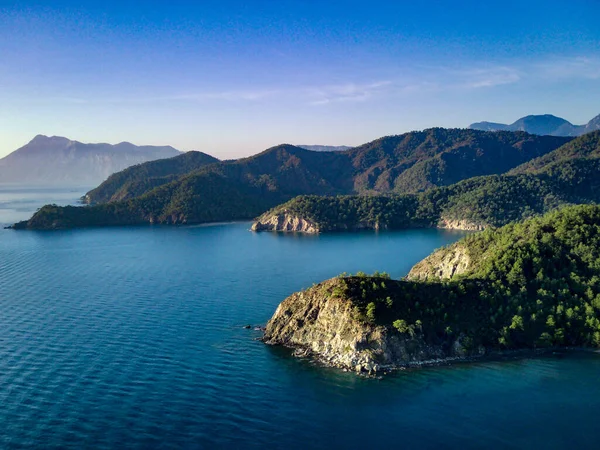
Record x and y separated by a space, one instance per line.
114 338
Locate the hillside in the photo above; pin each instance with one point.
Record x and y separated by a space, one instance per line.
545 124
232 190
530 285
586 146
410 162
136 180
471 204
60 161
420 160
283 172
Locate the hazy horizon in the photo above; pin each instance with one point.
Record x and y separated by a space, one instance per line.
232 78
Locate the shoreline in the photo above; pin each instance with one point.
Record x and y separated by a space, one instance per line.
300 352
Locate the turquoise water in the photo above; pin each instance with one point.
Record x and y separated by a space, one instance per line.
134 338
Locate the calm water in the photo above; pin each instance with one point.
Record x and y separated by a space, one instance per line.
134 338
20 202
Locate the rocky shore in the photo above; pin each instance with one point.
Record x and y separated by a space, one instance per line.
290 222
321 324
285 222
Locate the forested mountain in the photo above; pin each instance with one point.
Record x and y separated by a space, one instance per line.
136 180
283 172
60 161
474 204
545 124
407 163
420 160
586 146
528 285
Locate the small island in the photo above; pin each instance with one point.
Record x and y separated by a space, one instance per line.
527 286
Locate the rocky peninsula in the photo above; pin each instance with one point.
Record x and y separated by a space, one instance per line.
528 286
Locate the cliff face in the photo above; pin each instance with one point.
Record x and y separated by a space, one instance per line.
443 264
285 222
290 222
318 323
460 224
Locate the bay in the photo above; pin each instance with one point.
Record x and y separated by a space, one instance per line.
134 338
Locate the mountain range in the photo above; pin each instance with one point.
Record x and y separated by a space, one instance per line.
60 161
245 188
567 175
546 124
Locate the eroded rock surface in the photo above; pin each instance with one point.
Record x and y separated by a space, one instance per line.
320 324
285 222
443 264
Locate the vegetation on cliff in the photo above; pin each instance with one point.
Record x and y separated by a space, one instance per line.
531 284
476 202
159 193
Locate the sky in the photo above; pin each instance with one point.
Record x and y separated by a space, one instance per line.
232 78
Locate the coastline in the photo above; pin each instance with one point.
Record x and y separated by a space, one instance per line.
305 353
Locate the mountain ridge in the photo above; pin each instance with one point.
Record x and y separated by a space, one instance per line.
60 160
376 166
542 124
280 173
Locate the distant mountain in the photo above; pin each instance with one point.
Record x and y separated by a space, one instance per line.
325 148
243 189
58 160
546 124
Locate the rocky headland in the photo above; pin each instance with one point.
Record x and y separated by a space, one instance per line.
526 287
323 324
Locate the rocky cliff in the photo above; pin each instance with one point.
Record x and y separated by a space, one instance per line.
285 222
498 291
442 265
325 324
460 224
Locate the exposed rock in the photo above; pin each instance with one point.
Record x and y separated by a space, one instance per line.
285 222
460 224
291 222
319 324
443 264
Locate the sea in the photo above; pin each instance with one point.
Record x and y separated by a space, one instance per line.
135 338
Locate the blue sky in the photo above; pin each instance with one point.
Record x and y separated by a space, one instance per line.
232 78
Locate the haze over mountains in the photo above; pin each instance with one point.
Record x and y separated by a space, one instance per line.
60 161
245 188
546 124
325 148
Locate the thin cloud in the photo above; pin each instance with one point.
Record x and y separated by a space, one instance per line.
427 79
349 92
486 77
231 96
569 68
